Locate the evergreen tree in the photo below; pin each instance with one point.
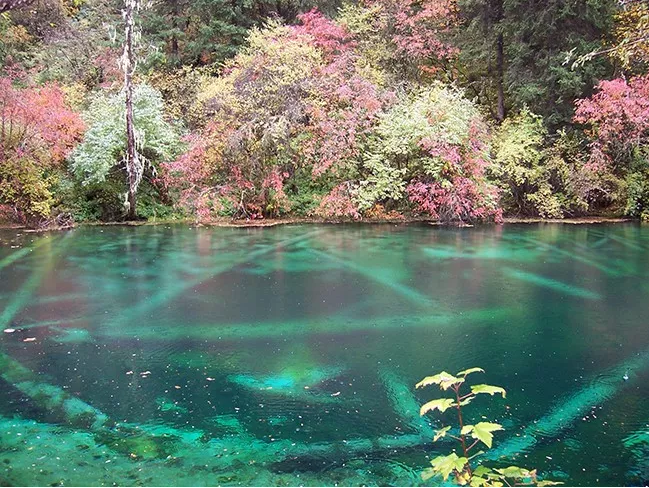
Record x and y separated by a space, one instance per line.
513 53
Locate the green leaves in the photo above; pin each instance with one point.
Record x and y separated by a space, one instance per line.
441 433
441 404
491 390
469 371
104 143
482 431
445 465
515 472
444 380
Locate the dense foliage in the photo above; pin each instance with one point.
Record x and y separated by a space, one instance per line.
457 110
37 132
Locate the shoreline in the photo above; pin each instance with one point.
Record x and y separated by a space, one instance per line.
293 221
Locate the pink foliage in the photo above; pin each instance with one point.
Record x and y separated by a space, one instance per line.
191 178
338 203
107 68
207 181
618 115
36 122
417 27
351 107
458 199
346 104
461 191
332 38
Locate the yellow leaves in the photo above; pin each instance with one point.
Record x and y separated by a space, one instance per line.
441 404
488 389
469 371
460 467
441 433
445 465
482 431
632 34
444 380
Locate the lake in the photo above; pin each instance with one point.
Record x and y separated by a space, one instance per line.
172 355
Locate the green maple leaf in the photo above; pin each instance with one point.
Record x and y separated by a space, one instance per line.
445 465
514 472
441 404
441 433
469 371
483 432
444 380
488 389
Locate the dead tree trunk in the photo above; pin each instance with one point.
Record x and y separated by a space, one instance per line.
134 164
500 61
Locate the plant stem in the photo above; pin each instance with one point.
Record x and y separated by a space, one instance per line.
461 422
472 445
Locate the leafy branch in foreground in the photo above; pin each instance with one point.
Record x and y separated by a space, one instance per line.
469 436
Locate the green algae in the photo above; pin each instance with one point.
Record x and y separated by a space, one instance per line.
167 405
381 276
21 253
573 256
171 292
300 385
498 253
69 409
64 335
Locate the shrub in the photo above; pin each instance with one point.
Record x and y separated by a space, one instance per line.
37 132
291 102
433 146
103 149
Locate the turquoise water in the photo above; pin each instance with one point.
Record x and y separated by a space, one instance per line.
172 355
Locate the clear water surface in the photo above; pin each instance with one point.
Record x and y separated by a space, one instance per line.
172 355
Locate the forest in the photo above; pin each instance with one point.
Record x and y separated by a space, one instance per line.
451 110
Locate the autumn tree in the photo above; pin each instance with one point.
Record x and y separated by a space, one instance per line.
38 130
293 101
632 34
409 40
616 118
101 157
431 149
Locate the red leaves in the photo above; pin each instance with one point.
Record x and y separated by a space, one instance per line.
338 203
618 115
325 34
37 132
458 199
36 122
